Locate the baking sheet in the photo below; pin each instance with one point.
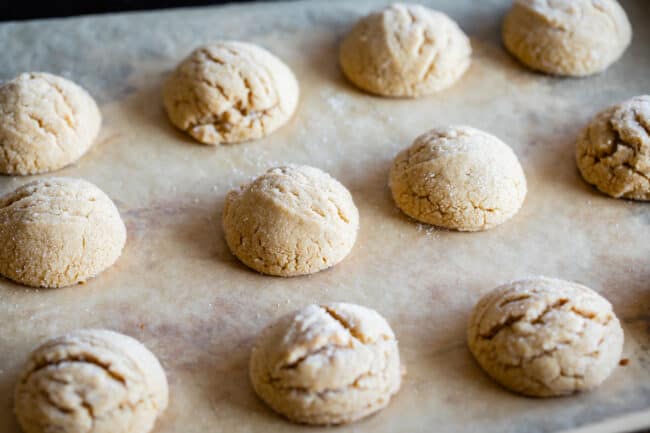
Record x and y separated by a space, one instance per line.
178 289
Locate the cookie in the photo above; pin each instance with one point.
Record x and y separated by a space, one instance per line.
613 151
46 123
545 337
91 381
292 220
58 232
567 37
459 178
405 50
329 364
229 92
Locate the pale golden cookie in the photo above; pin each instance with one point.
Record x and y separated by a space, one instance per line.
46 123
229 92
458 178
567 37
405 50
58 232
91 381
292 220
613 151
544 337
328 364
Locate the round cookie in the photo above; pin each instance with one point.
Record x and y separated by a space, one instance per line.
329 364
58 232
567 37
613 151
91 381
46 123
229 92
292 220
544 337
405 50
458 178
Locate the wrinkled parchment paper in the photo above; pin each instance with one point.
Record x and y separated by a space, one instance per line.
177 288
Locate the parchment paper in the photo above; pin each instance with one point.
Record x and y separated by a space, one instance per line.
178 289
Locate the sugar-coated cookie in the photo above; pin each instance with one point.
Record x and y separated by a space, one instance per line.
405 50
327 364
567 37
229 92
459 178
292 220
46 123
58 232
91 381
545 337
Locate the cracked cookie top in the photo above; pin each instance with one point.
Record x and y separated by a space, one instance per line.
405 50
327 364
91 381
46 123
567 37
57 232
229 92
291 220
613 151
545 337
458 177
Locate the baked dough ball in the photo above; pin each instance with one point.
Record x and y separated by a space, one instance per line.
91 381
329 364
613 151
46 123
229 92
58 232
567 37
459 178
544 337
405 50
292 220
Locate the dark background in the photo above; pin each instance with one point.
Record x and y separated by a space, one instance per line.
30 9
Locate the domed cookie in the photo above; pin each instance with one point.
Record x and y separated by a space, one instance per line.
292 220
91 381
458 178
613 151
46 123
58 232
567 37
229 92
544 337
405 50
327 364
